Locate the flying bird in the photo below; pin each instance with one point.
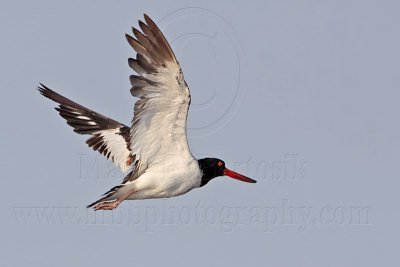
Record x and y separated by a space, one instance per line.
154 150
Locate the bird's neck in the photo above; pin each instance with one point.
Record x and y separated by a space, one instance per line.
207 174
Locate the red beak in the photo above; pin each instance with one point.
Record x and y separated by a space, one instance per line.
238 176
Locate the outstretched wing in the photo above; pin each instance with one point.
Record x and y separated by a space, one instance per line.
109 137
159 125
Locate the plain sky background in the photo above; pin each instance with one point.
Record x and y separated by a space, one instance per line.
300 95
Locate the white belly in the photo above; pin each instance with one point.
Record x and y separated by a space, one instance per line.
167 180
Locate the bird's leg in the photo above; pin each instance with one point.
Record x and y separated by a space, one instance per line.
112 204
107 205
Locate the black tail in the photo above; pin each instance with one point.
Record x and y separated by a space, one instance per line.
107 196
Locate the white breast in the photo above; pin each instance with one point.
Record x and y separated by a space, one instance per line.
168 178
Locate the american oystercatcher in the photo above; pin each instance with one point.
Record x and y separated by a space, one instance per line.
154 151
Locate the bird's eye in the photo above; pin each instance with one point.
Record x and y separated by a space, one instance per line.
219 164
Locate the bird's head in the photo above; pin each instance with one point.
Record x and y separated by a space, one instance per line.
212 167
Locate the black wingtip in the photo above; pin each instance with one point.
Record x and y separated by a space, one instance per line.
41 88
142 24
44 90
148 19
47 92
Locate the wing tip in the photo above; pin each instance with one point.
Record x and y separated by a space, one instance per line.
148 20
42 89
47 92
146 16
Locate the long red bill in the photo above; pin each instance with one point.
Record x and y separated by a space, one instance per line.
238 176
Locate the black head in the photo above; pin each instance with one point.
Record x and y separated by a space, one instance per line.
212 167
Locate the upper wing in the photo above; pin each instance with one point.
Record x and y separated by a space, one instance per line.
159 124
109 137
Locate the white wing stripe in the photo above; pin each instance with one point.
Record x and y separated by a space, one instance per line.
116 147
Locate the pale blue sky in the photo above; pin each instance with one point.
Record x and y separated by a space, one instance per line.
300 95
